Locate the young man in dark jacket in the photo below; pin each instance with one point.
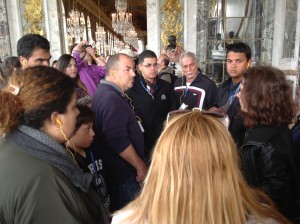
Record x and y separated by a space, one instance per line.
152 98
238 59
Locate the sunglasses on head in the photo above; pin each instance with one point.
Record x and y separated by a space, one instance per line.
223 118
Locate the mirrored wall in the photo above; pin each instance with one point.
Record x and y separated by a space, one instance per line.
228 22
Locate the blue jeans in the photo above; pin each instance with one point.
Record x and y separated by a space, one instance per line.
128 191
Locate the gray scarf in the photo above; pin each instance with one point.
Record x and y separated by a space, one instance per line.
38 144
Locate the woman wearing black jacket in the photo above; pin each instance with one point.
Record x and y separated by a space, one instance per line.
266 155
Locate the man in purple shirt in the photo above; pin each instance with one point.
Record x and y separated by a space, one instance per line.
90 74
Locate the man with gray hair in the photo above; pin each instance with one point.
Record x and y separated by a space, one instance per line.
193 89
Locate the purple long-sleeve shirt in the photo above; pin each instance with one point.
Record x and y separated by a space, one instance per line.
90 75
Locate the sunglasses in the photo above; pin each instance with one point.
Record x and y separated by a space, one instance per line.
223 118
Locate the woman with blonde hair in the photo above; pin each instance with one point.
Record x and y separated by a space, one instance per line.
194 177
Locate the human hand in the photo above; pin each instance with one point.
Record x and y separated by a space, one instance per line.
141 173
89 49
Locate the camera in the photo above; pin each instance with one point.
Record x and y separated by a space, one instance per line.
86 46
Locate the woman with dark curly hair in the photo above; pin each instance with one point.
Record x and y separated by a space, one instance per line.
268 108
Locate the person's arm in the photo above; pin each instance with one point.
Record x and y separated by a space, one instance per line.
76 53
130 155
98 60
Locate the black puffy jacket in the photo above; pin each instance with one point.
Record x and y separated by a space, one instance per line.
267 163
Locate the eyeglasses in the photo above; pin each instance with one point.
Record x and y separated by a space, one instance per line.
223 118
150 65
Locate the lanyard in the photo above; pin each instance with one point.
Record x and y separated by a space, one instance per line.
147 90
186 90
231 95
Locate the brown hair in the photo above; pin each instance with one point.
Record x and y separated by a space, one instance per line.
266 97
62 64
43 90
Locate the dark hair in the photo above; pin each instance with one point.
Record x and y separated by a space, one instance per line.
63 62
86 115
27 44
72 47
9 65
266 97
146 54
239 47
43 90
166 61
54 63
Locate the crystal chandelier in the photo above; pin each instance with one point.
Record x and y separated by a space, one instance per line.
121 20
131 37
100 35
100 38
76 24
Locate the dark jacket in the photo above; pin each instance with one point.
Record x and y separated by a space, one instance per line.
151 109
233 110
201 93
42 184
268 164
115 129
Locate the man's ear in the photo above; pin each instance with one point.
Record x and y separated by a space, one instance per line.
23 61
140 67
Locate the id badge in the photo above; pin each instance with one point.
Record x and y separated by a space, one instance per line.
183 106
141 126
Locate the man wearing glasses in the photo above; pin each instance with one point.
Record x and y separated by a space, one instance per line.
238 59
152 98
90 74
193 89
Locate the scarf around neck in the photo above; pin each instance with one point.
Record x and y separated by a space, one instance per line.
38 144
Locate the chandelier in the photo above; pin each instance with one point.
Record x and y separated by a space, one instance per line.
121 20
100 35
131 37
76 24
100 38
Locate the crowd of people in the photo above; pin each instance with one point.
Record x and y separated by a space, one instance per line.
125 140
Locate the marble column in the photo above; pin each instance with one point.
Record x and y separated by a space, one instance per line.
14 22
190 26
202 14
267 32
153 26
53 27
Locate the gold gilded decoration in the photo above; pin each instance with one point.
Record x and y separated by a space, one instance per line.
33 14
171 23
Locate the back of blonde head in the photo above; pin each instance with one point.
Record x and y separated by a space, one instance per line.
194 177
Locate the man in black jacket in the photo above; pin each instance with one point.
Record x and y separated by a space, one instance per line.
238 59
152 98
